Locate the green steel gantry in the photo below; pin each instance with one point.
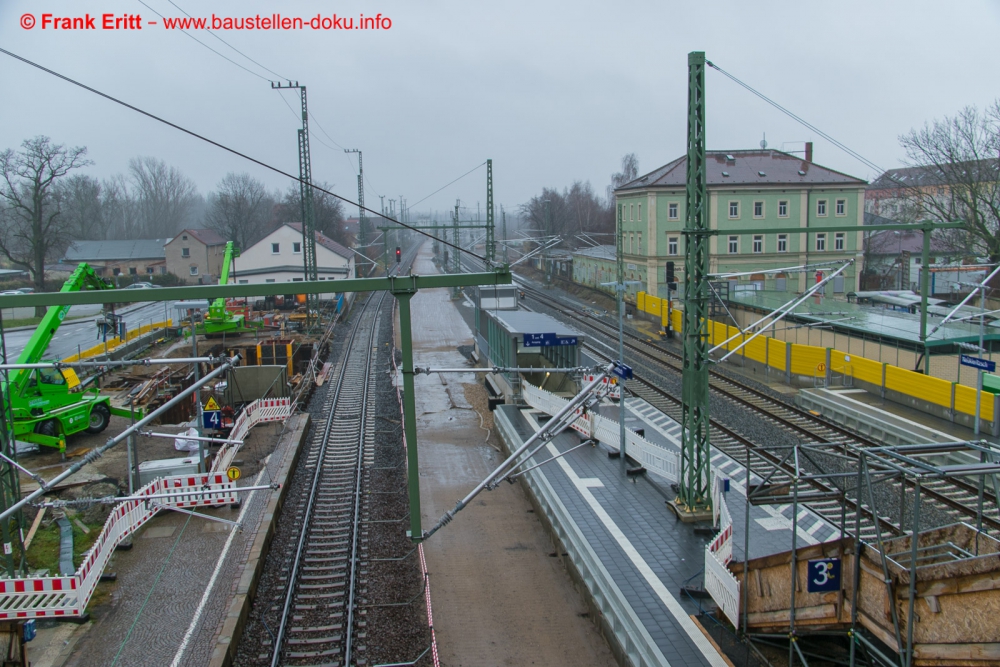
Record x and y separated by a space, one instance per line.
310 270
401 287
490 222
694 498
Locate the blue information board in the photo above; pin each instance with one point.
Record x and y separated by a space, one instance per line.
212 419
823 575
976 362
547 340
623 371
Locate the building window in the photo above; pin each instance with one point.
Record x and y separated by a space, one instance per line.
821 207
782 242
639 216
631 212
639 251
672 245
132 271
758 209
194 269
838 240
734 209
820 242
275 248
185 252
783 208
841 207
672 210
184 237
758 244
296 247
149 270
298 280
117 271
269 280
734 245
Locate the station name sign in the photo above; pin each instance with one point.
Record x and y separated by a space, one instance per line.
547 340
981 364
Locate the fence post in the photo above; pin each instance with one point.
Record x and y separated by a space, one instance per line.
952 413
996 415
788 363
884 365
829 370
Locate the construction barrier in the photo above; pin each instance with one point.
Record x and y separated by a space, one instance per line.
113 343
825 363
260 411
719 581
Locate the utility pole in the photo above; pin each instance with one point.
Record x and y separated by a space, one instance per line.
362 222
490 218
694 498
503 232
12 529
305 190
456 261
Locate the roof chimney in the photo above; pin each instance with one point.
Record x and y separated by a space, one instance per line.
809 151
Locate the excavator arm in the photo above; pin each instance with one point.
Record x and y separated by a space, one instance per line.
217 309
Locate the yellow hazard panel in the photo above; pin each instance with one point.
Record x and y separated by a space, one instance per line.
71 378
776 353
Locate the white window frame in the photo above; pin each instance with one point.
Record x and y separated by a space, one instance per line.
762 209
839 241
821 242
275 248
734 245
639 242
758 243
631 212
840 207
672 245
783 204
782 242
673 211
732 205
639 212
821 208
193 270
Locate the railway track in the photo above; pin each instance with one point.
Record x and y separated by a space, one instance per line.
955 498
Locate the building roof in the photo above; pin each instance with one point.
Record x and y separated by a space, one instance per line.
874 219
527 321
598 252
931 175
890 242
324 241
103 251
745 168
209 237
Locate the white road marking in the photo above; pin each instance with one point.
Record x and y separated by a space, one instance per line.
583 485
211 582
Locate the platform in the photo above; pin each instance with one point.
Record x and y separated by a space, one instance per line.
631 551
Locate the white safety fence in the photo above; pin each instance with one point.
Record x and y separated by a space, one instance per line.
44 597
656 459
260 411
719 581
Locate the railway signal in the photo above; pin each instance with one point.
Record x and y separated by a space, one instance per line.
399 255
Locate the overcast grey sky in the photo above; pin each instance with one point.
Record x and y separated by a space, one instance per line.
552 91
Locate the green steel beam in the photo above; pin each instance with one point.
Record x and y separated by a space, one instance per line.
694 497
499 276
403 295
426 227
490 221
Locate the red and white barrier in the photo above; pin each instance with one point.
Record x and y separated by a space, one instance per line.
260 411
720 583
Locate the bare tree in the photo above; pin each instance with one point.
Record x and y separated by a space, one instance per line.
955 175
629 172
33 229
120 209
82 206
165 199
240 210
574 210
328 211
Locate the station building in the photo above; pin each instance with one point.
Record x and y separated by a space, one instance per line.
747 189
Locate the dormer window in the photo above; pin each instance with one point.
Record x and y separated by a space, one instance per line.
730 158
725 174
801 173
761 174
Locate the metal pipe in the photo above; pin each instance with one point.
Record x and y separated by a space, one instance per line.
511 478
95 454
151 434
964 301
134 362
790 269
161 496
501 369
571 405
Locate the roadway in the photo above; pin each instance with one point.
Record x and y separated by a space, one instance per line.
80 333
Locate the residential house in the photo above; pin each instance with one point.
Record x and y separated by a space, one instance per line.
138 259
277 258
896 193
195 256
750 189
893 260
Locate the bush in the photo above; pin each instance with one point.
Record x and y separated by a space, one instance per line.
166 280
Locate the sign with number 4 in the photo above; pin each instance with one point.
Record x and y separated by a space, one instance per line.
824 575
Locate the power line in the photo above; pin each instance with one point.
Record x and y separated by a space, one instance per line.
228 149
228 44
802 121
206 45
446 185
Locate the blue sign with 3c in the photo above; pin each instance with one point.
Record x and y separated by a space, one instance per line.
823 575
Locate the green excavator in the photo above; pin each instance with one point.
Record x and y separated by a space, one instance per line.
45 408
219 320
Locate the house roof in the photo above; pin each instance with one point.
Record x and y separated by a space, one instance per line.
598 252
102 251
874 219
930 175
324 241
745 168
209 237
893 243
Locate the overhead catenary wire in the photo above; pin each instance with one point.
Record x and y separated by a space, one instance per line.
444 186
232 150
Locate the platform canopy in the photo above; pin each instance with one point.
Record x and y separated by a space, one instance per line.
877 323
